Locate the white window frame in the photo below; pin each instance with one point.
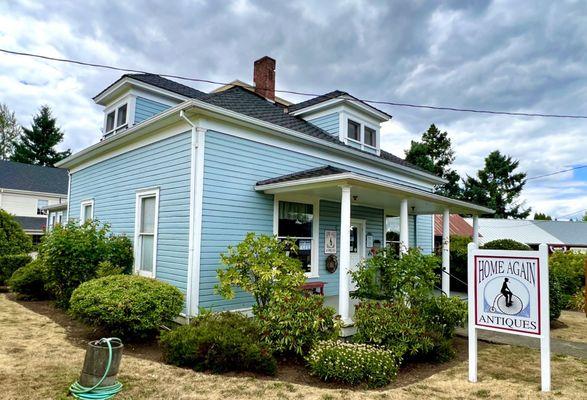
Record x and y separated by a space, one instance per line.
83 204
315 202
39 208
140 194
114 109
344 120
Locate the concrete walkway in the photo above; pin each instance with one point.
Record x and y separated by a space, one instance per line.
557 346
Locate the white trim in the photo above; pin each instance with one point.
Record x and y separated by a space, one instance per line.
68 194
83 204
315 202
350 178
374 113
244 122
33 193
198 136
140 194
345 116
115 107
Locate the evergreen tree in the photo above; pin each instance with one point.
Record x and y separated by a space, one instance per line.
497 186
434 153
9 131
585 217
542 217
37 144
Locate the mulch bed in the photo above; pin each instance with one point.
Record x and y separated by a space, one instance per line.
288 371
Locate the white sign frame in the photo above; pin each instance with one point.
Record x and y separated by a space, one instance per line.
329 242
543 307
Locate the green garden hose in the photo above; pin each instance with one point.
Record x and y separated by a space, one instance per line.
98 393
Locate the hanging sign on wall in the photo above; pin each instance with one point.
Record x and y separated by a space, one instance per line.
329 242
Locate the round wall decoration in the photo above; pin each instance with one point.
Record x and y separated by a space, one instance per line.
331 263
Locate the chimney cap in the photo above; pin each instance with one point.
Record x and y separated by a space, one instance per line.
265 58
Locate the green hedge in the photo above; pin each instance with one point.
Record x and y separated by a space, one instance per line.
29 281
219 343
353 363
569 269
13 240
505 244
10 263
126 305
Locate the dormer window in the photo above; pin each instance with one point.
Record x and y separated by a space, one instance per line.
354 130
370 137
116 119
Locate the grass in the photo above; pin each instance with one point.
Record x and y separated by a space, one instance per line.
37 361
574 327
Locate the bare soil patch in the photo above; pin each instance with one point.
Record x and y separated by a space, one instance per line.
571 326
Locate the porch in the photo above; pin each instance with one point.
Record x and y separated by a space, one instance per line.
351 190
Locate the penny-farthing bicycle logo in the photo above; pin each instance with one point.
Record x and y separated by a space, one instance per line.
507 296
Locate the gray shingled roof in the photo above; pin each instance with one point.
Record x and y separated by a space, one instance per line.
33 178
251 104
162 83
32 223
329 96
309 173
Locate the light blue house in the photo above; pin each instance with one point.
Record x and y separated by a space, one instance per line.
187 173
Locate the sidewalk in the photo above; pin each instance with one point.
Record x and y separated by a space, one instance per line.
557 346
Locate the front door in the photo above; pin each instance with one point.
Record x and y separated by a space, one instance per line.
357 246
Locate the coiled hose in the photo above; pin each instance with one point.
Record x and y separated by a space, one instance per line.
98 393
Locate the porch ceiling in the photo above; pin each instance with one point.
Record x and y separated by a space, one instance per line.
366 191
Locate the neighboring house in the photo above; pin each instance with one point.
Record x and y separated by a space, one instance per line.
458 227
558 235
26 190
56 214
187 173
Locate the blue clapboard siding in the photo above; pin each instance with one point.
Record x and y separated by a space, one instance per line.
145 109
329 123
113 184
231 207
330 220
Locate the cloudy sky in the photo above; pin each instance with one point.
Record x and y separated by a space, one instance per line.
502 55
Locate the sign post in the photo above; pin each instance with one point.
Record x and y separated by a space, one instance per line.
508 292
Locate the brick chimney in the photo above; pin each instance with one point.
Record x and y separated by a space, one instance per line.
264 77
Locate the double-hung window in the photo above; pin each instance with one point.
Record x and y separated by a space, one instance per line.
41 204
354 130
296 222
147 216
370 137
116 119
86 211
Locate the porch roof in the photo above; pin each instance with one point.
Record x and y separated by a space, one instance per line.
324 182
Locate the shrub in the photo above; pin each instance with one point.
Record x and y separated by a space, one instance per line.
13 240
385 276
505 244
29 281
120 253
293 322
260 266
577 302
569 269
126 305
353 363
218 342
10 263
106 268
423 328
557 300
72 254
458 262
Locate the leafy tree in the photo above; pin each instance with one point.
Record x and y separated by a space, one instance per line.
434 153
497 186
260 265
13 240
9 131
585 217
542 217
37 144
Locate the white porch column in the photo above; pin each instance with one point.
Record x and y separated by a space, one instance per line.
446 252
345 255
476 230
403 227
